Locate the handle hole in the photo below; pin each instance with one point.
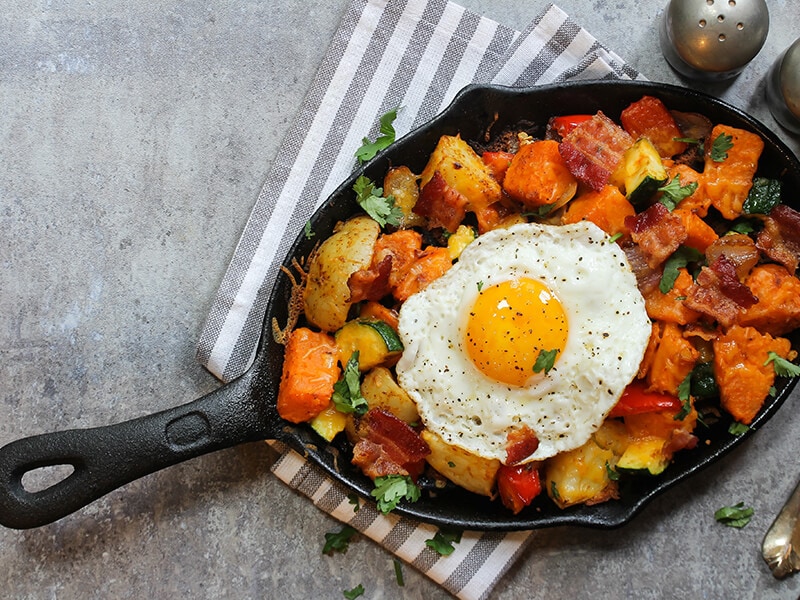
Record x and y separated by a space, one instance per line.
38 480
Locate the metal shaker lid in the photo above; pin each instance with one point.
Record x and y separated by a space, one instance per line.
790 78
717 37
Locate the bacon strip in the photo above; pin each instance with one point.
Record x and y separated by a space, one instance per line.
441 204
719 294
658 233
780 237
593 149
388 446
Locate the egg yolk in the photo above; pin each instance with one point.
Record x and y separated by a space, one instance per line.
510 325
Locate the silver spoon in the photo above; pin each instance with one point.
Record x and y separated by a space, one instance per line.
781 545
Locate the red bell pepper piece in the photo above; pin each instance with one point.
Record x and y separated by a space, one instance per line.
518 485
636 400
564 124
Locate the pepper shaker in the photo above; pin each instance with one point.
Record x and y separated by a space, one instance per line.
783 88
713 40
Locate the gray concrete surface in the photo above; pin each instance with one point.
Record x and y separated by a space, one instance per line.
135 137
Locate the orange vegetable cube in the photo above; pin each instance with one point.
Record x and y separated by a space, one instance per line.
607 208
700 235
673 359
728 181
777 311
743 379
670 307
310 370
538 176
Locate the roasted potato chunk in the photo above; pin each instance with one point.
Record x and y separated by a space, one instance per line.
380 390
327 296
463 468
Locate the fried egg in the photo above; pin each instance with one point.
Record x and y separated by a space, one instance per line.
478 339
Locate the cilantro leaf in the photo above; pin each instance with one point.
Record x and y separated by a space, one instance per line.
390 489
354 593
679 259
737 428
338 541
612 473
687 140
355 501
685 397
673 192
368 149
307 231
545 361
737 515
371 199
443 541
347 391
720 147
782 367
616 236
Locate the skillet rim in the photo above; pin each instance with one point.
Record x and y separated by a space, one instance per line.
461 509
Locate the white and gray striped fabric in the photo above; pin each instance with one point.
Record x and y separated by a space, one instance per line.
413 54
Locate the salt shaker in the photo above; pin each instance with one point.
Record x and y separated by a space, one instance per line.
713 40
783 88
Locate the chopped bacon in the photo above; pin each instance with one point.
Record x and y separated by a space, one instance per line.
441 204
719 294
658 233
737 248
594 148
388 446
780 237
647 278
680 440
371 283
521 444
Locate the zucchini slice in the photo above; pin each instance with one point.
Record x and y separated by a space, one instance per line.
377 343
640 172
644 455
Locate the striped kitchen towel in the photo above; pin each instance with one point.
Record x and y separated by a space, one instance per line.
413 54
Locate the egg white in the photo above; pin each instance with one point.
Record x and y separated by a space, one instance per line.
608 333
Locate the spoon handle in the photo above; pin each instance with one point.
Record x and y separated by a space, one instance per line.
781 545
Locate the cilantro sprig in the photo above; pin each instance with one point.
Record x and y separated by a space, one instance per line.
783 367
720 146
354 593
684 395
737 515
347 396
379 207
442 542
673 192
679 259
545 361
369 149
391 489
338 541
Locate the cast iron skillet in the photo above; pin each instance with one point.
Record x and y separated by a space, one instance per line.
105 458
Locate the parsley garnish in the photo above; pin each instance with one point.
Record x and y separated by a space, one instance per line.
612 473
480 286
687 140
309 233
679 259
398 573
443 541
354 593
369 149
616 236
371 199
720 147
782 367
737 428
554 491
685 397
390 489
347 391
355 501
737 515
338 541
742 226
545 361
674 192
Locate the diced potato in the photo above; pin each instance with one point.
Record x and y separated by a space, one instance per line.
612 435
463 468
327 296
329 422
380 390
463 170
580 476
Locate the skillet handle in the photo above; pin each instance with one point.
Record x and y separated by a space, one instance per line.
105 458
